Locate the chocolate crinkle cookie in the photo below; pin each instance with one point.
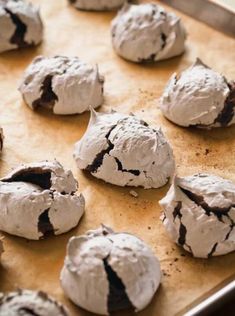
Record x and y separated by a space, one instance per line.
147 33
199 214
106 271
20 25
66 85
97 5
27 303
124 150
199 97
38 200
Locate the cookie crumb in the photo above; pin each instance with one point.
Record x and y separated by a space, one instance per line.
165 273
133 193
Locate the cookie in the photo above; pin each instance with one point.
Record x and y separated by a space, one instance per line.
20 25
38 200
199 97
106 272
26 302
199 214
65 85
124 150
147 33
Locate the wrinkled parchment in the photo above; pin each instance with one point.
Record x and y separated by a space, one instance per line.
32 136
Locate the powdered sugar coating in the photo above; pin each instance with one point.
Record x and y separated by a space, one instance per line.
146 32
198 97
124 150
64 84
199 214
20 25
95 258
38 200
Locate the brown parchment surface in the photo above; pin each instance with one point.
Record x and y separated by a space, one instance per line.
33 136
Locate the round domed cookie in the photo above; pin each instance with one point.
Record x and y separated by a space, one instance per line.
146 32
38 200
199 97
20 25
124 150
26 302
105 272
199 214
64 84
97 5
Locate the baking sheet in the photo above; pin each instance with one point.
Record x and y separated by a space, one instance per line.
32 136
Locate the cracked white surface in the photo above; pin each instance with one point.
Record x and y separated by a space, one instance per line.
124 150
71 85
37 199
97 5
199 214
146 32
26 302
197 97
85 279
28 14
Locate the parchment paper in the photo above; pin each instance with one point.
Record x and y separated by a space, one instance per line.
33 136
